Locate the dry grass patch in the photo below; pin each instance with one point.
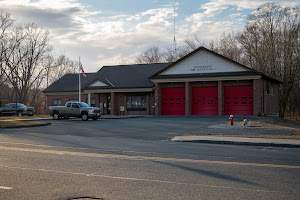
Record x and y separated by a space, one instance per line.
277 123
5 124
118 116
266 123
24 117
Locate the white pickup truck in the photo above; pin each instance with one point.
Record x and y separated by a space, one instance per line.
74 109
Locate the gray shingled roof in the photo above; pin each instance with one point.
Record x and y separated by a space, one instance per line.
69 83
128 76
121 76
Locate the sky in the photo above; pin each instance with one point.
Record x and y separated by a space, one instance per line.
103 32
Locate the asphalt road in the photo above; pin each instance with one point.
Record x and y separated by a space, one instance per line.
134 159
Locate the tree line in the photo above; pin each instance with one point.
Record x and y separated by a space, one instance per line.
27 62
269 43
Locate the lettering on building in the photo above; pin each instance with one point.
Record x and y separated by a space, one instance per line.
203 68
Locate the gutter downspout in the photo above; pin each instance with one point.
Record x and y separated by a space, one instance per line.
263 100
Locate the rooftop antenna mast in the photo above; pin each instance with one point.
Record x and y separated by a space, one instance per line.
174 41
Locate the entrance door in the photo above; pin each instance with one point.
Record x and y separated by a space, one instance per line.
173 101
205 100
238 100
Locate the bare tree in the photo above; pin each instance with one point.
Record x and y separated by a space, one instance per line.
270 41
229 47
193 43
151 55
54 69
6 22
26 48
171 55
57 67
26 63
157 55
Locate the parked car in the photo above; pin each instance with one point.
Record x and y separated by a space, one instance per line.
10 109
75 109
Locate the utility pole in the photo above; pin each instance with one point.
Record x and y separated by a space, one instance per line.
16 88
79 98
174 31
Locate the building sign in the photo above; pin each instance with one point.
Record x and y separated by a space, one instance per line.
202 68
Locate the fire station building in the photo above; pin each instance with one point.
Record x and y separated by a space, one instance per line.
201 83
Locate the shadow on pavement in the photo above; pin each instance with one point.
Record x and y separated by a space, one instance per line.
209 173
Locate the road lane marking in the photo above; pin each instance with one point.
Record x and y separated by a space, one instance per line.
138 179
146 157
5 188
116 151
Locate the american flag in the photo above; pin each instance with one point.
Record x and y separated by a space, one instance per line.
81 68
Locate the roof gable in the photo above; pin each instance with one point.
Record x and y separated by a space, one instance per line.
98 84
203 61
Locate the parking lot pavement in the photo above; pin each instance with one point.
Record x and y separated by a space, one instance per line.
148 128
203 129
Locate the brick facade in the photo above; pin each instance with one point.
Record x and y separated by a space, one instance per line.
102 101
220 98
258 95
272 99
263 102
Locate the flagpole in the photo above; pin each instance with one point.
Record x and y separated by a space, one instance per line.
79 98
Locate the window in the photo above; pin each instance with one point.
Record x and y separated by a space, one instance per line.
136 103
73 99
267 88
272 89
93 102
21 105
57 102
75 105
83 105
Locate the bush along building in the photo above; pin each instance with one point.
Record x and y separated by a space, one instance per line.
200 83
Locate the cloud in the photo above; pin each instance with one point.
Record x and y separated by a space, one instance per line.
212 20
214 7
102 39
155 15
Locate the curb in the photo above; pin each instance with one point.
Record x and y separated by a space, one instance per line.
35 125
241 143
121 117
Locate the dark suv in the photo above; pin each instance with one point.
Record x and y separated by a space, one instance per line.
10 109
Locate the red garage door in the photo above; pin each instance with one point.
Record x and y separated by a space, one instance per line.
173 101
238 100
205 100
